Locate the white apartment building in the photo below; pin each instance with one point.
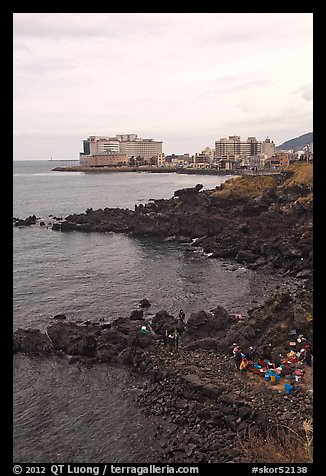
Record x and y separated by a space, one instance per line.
126 144
137 147
234 148
100 145
268 148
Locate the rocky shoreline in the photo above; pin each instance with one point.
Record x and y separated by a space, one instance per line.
269 229
203 401
151 169
264 224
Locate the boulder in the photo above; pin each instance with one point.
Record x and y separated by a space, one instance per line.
59 317
110 344
74 339
246 256
208 343
31 341
163 321
144 303
31 220
136 315
136 339
188 191
207 324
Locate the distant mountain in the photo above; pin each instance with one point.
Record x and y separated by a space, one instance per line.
297 143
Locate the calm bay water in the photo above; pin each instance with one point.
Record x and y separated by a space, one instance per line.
91 276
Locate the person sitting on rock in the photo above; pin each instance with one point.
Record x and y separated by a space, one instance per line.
238 358
292 356
252 354
243 364
286 370
143 330
267 351
307 355
277 359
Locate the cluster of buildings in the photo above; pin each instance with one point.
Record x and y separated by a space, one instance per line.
230 153
123 149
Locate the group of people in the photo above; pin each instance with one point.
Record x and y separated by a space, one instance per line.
276 364
171 338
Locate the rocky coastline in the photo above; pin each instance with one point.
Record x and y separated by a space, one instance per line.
151 169
203 403
267 226
264 223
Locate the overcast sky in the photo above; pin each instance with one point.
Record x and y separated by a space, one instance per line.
187 79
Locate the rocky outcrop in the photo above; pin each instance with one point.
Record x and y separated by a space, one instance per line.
272 231
216 330
209 407
196 390
188 192
31 220
32 341
163 321
73 339
144 303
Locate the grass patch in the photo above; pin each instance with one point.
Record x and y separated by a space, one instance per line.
283 446
246 186
303 175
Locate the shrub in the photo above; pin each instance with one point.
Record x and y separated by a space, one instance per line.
284 445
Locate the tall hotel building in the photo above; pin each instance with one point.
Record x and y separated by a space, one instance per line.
123 145
131 145
234 147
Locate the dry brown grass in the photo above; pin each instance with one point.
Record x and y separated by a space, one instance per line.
303 174
283 446
252 186
246 186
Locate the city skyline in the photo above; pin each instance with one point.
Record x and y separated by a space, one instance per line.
186 79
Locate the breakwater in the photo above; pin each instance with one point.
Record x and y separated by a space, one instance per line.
152 169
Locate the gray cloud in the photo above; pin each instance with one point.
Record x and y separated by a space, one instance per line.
306 92
165 75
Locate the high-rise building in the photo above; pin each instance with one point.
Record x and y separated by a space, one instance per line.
268 148
234 148
95 145
137 147
126 144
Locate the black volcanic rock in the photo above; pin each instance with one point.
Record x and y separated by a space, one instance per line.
74 339
144 303
271 231
204 403
31 220
61 317
188 191
163 321
136 314
31 341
